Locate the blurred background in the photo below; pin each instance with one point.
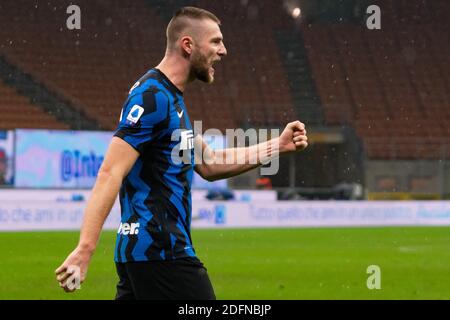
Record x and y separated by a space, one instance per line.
376 103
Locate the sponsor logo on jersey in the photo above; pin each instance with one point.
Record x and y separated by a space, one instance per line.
187 140
128 228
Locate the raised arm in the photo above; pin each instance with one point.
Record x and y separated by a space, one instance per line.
215 164
118 161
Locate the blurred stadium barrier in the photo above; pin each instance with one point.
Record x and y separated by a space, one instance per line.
63 210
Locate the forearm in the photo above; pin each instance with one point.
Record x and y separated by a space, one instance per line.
98 208
234 161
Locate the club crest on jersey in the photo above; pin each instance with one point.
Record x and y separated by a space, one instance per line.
134 115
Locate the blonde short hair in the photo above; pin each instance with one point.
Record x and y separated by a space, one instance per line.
180 21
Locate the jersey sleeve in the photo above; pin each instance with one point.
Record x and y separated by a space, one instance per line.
143 117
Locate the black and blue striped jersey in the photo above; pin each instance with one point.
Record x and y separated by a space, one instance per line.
155 197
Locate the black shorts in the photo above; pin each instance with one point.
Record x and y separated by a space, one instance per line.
180 279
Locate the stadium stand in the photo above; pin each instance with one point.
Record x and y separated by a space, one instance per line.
93 67
386 83
18 112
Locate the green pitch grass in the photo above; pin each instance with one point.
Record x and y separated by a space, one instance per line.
313 263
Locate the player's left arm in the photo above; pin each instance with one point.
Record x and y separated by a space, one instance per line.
225 163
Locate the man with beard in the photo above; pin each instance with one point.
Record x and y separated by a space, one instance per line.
154 255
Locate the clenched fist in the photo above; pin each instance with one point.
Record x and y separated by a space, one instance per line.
293 138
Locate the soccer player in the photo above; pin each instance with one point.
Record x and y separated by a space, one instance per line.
154 255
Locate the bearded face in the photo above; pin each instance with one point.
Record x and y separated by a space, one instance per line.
207 48
201 67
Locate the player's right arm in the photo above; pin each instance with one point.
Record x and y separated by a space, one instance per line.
119 159
144 110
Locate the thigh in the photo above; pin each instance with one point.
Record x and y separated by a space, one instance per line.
148 281
124 288
193 282
181 279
